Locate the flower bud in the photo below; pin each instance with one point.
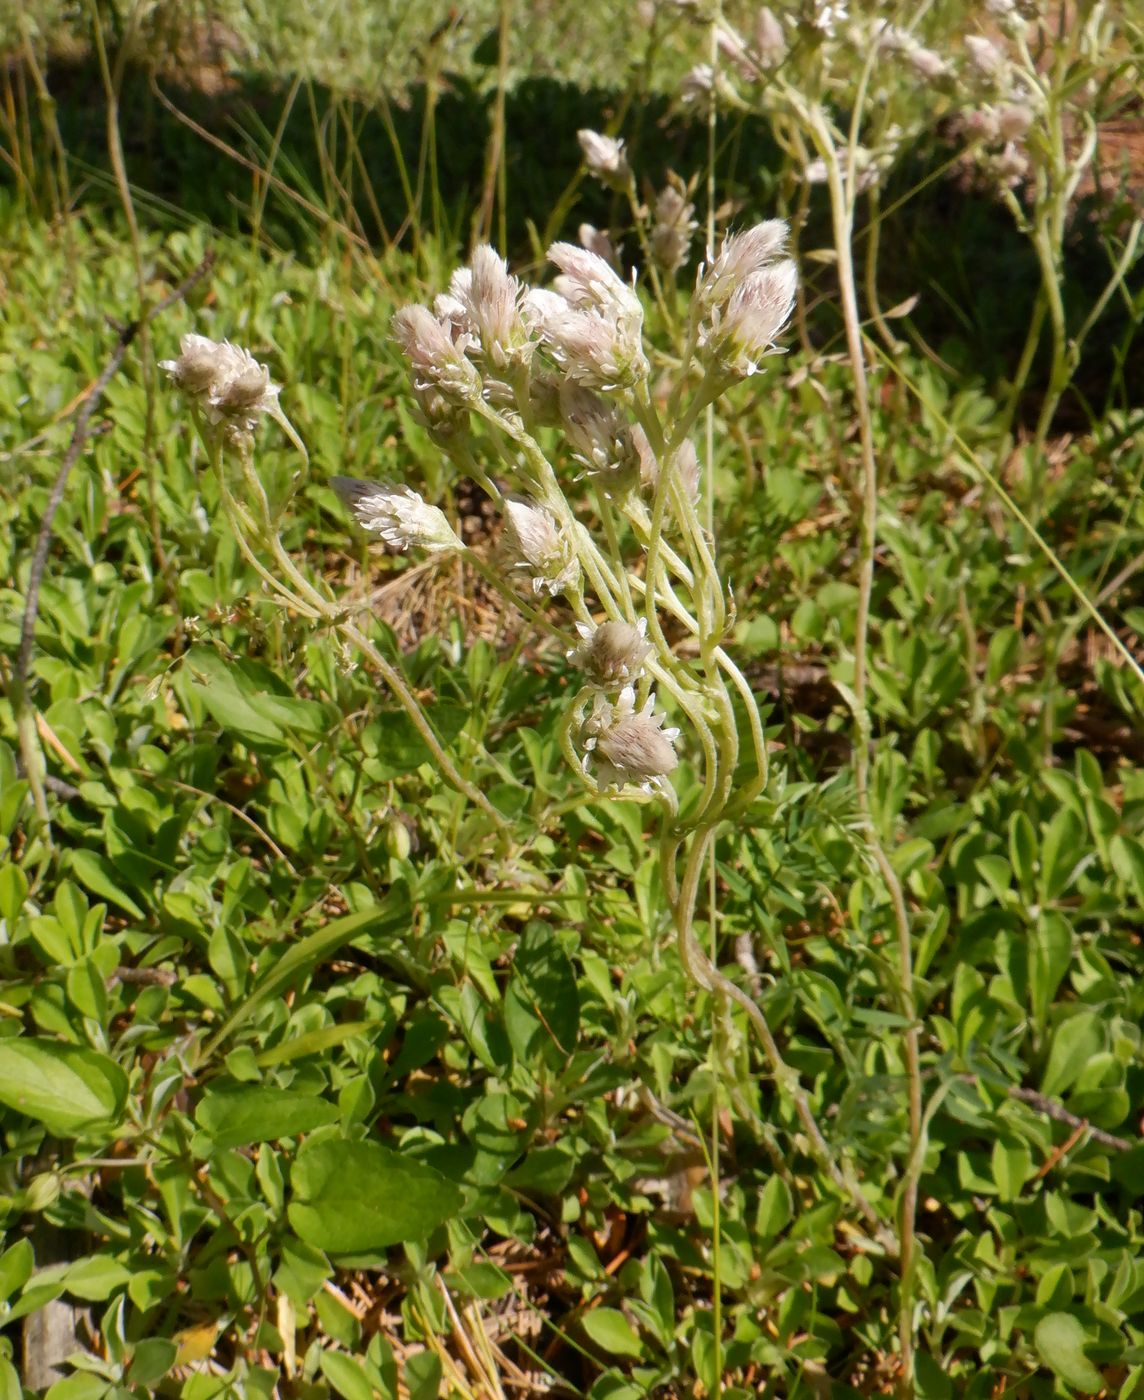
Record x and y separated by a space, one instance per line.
629 745
532 535
612 654
673 228
604 157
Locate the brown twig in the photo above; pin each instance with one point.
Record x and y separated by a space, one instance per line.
1061 1115
19 682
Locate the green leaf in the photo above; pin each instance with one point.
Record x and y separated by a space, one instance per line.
154 1357
1059 1339
398 748
247 700
1012 1167
346 1376
16 1266
391 916
67 1088
314 1042
242 1114
1023 850
98 874
775 1207
13 892
612 1332
96 1278
1127 856
542 1003
1075 1041
355 1197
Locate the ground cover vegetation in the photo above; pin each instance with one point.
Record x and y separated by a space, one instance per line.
571 813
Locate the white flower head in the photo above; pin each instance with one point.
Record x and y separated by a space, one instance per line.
604 157
400 516
538 544
435 350
592 323
226 381
612 654
599 434
741 255
628 745
825 17
985 56
744 331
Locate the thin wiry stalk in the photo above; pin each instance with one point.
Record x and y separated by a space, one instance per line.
842 210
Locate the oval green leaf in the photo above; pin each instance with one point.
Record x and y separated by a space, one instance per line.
355 1197
242 1114
66 1087
1059 1340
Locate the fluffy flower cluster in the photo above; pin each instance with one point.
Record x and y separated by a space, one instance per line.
591 323
227 383
747 296
628 746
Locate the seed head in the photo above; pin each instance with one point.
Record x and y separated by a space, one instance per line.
539 545
612 654
629 745
397 514
604 157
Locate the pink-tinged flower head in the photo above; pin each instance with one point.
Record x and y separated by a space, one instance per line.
741 255
227 382
599 434
613 654
436 354
592 324
628 746
985 56
745 330
541 547
400 516
482 310
770 41
604 157
684 465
